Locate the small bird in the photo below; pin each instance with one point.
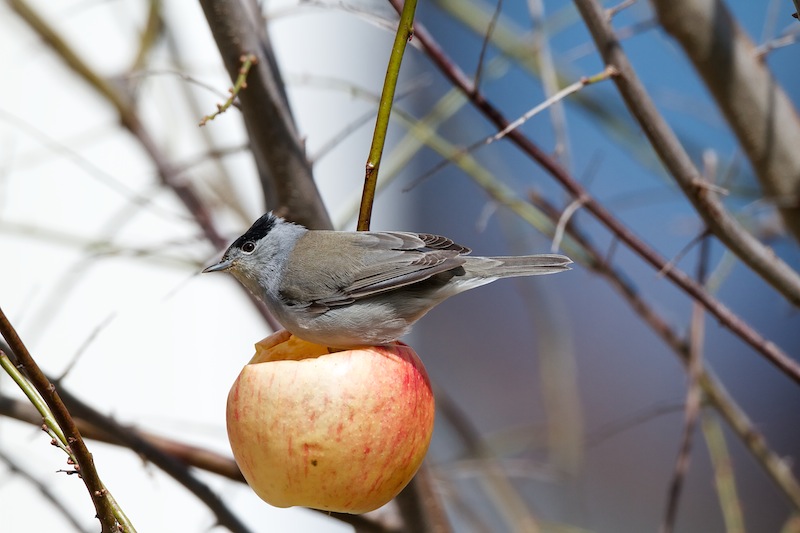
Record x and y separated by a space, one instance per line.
344 289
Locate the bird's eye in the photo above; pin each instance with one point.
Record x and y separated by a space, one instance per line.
248 247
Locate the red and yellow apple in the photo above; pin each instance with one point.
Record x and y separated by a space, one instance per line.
342 431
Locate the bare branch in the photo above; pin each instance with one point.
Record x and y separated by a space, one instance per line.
761 258
45 491
724 479
485 45
694 398
756 107
104 429
776 467
726 317
286 177
84 460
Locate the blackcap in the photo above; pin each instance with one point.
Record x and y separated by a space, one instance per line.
345 289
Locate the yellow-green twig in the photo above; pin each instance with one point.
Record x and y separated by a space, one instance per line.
723 474
404 33
241 83
35 398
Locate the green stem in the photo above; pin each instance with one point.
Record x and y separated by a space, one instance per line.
241 83
723 475
404 33
35 398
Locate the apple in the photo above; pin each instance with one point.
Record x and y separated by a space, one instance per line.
342 431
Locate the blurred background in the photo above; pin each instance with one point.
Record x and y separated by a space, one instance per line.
560 408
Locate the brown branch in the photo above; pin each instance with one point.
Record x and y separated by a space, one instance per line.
694 399
726 317
170 176
421 507
759 257
187 455
775 467
239 29
169 464
85 462
43 489
758 110
485 44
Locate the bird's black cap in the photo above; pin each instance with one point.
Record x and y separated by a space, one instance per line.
258 230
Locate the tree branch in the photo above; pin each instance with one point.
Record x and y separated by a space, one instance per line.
106 430
239 29
776 468
170 176
756 107
85 462
761 258
727 318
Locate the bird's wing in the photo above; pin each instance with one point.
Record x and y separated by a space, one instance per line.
367 264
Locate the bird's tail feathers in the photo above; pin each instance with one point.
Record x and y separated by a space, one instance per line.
524 265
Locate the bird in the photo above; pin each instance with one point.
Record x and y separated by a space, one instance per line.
349 289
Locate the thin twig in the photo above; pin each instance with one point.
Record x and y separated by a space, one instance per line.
174 468
150 34
724 480
83 459
779 42
608 72
510 505
613 428
515 124
189 79
563 220
45 491
421 507
405 30
611 12
774 466
84 345
287 181
485 44
248 61
693 399
180 452
169 175
759 112
682 252
549 75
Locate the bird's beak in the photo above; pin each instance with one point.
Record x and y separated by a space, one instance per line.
222 266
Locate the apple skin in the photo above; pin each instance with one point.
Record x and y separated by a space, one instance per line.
342 431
